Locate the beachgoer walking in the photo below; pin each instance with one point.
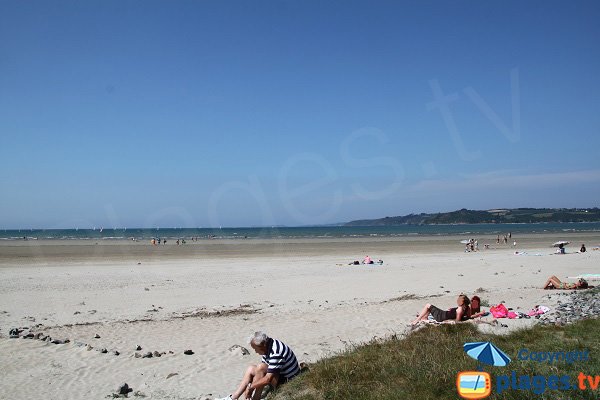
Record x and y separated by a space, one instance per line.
582 249
278 366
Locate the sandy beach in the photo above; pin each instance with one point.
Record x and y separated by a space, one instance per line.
208 296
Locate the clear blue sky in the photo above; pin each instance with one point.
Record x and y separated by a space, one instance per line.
237 113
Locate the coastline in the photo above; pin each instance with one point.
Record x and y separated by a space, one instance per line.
58 252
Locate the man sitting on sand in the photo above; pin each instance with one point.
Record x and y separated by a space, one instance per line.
554 283
278 366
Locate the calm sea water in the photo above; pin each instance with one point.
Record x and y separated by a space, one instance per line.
297 232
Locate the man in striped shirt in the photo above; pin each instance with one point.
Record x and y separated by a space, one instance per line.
278 365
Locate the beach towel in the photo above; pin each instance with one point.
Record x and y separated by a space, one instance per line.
499 311
538 310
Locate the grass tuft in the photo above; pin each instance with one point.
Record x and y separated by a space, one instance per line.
424 365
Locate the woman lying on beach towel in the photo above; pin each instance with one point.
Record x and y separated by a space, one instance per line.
456 314
554 283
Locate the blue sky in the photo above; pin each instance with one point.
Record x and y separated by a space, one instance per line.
235 113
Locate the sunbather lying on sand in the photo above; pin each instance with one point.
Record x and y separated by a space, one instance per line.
554 283
456 314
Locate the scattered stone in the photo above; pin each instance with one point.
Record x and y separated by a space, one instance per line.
14 333
89 348
103 351
147 355
581 304
124 389
38 336
236 348
116 353
96 336
30 335
137 355
172 374
156 354
188 352
60 341
77 312
138 348
146 289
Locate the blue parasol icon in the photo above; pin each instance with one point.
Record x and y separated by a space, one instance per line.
487 353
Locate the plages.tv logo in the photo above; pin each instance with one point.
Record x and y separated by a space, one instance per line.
473 385
478 384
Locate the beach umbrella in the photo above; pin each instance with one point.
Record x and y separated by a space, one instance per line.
560 242
487 353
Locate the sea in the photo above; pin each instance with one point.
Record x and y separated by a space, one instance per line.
462 230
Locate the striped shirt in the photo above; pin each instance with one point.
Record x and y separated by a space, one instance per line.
281 359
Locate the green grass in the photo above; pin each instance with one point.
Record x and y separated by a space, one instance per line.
425 364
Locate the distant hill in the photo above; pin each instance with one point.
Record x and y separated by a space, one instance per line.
496 216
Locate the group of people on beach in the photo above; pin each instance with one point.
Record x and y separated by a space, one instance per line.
279 363
471 308
504 238
466 309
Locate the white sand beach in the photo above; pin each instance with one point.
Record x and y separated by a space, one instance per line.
209 296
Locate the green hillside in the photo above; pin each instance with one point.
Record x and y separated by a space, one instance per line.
464 216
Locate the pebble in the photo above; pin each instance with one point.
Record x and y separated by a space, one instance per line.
156 354
188 352
116 353
236 348
138 348
147 355
124 389
14 333
573 306
103 351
